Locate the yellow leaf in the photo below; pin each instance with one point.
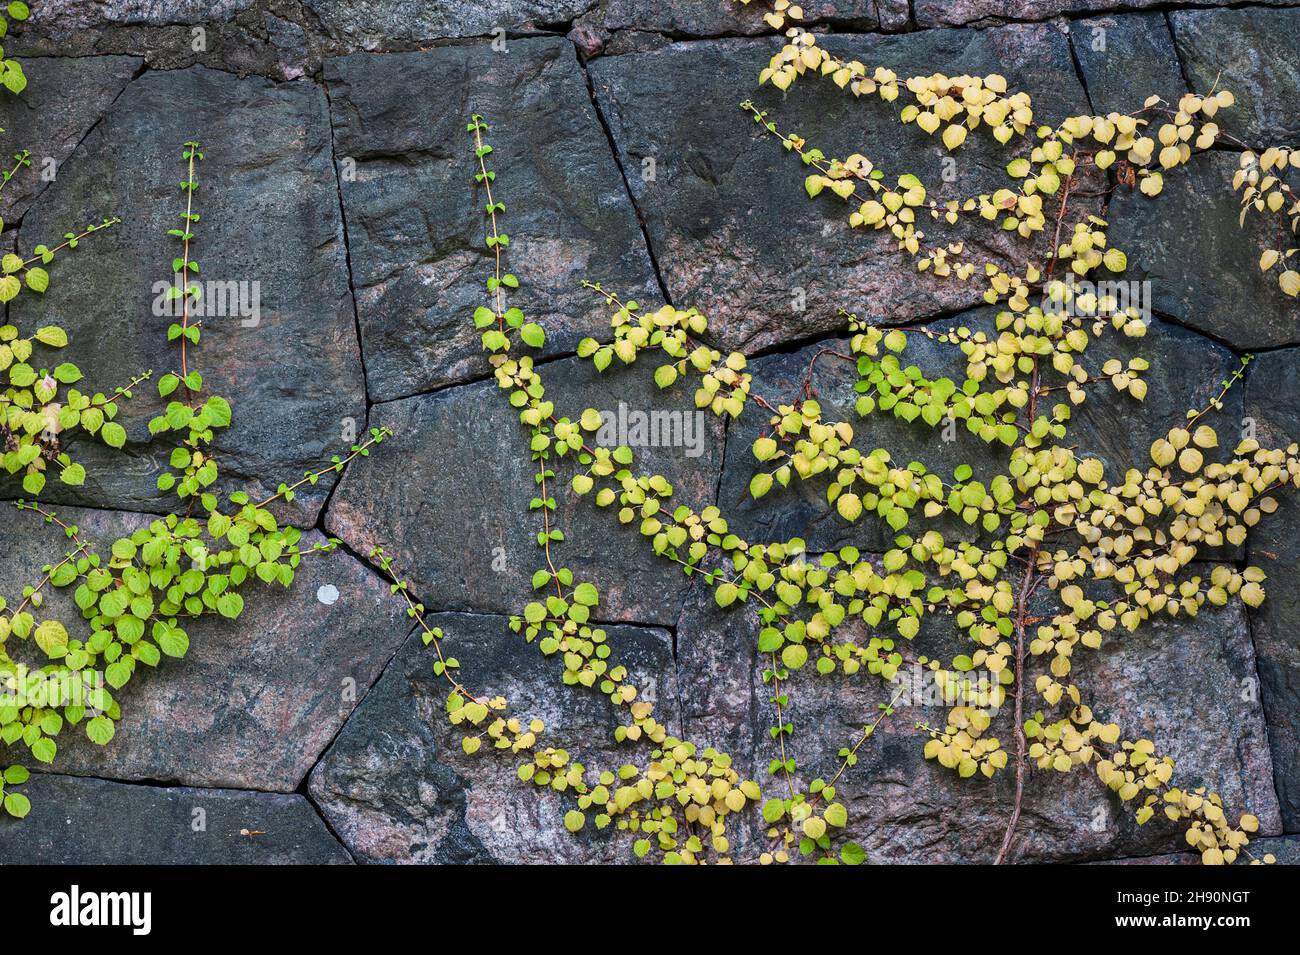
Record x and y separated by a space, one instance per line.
1091 471
1190 460
849 506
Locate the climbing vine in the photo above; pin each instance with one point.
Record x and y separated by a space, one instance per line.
956 106
138 599
11 71
1054 555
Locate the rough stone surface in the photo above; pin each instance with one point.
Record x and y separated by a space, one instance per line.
293 378
416 239
450 502
1272 407
388 24
1126 58
49 123
1172 681
77 821
1284 849
337 174
275 38
1253 52
931 13
609 23
397 787
729 223
252 705
1203 267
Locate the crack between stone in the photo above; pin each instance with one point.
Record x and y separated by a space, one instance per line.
1078 70
1236 350
352 294
1178 56
325 821
347 249
1264 710
304 787
154 782
102 508
18 224
627 186
538 362
150 783
1078 13
347 548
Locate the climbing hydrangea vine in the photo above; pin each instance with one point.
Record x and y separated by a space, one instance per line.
955 107
1034 565
138 599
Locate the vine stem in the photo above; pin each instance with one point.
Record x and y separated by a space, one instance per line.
70 532
546 530
107 223
498 295
866 735
317 475
386 563
185 273
122 390
22 161
1027 587
49 576
1022 611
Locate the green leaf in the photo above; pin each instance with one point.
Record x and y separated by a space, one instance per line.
665 375
38 280
586 594
853 854
33 482
118 674
43 750
52 637
67 373
533 334
218 411
113 434
836 815
17 805
73 474
100 730
173 641
52 335
230 605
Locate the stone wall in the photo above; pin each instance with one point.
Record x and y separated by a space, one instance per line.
338 174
